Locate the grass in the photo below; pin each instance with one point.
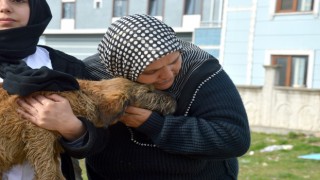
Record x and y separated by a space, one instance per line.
84 173
279 164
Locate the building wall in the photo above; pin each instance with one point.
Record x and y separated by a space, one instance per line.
252 32
235 42
82 45
244 41
55 7
281 109
78 45
287 33
88 17
173 12
138 6
208 39
90 24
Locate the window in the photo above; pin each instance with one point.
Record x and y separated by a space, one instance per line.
120 8
293 70
211 15
294 5
68 10
97 4
155 7
192 7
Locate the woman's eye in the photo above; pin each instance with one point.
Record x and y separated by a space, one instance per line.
19 1
148 72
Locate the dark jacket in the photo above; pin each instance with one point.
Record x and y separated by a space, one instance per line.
201 141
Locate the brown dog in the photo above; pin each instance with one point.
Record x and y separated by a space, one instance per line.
99 101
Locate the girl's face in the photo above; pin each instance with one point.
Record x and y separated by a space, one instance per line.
162 72
14 13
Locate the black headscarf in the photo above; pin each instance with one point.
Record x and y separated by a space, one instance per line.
17 44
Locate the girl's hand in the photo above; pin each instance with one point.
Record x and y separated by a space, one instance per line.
135 117
52 112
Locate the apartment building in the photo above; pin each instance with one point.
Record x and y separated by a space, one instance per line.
256 33
244 35
78 25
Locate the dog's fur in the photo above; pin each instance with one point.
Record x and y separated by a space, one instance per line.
99 101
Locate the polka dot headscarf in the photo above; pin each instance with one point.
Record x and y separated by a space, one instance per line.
133 42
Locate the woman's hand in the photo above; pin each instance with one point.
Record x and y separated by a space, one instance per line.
135 117
52 112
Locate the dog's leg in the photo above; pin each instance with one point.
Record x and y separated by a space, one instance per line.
43 152
8 156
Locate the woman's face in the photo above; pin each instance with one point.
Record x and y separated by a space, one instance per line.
14 13
162 72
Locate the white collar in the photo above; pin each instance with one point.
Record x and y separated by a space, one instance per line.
38 59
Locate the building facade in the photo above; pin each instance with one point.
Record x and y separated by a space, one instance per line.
78 25
244 35
270 48
259 32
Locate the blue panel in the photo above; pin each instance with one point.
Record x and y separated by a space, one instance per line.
258 74
236 47
238 21
213 52
293 17
238 36
238 80
310 156
258 70
237 70
138 6
238 3
316 74
55 7
263 3
207 36
259 56
237 73
173 12
239 15
235 59
293 27
236 66
257 81
88 17
262 13
287 42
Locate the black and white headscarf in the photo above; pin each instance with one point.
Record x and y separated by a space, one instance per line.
135 41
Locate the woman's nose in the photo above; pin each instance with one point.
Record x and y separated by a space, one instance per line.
4 6
166 72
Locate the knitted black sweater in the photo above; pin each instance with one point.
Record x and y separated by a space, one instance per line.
200 141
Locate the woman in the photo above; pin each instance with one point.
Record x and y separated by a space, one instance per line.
201 140
21 24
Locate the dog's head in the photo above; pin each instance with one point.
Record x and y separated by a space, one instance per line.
112 96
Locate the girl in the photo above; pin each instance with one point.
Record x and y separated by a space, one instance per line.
21 24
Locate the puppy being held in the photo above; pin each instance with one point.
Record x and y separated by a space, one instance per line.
102 102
